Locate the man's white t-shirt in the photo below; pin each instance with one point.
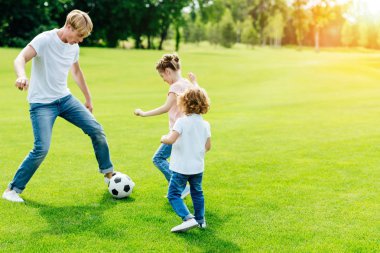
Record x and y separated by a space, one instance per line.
188 151
50 67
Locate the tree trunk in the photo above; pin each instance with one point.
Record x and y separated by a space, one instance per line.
177 38
137 41
149 42
317 40
164 33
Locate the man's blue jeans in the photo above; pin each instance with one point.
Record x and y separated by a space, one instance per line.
160 160
43 117
176 186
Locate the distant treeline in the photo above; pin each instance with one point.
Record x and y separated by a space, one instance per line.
148 23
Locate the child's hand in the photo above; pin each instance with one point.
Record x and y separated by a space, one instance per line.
139 112
192 78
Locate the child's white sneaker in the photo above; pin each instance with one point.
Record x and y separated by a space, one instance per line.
202 225
12 196
186 225
185 192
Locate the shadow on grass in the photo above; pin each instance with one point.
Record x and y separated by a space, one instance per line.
77 219
206 239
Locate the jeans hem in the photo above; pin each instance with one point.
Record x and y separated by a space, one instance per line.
200 221
14 188
106 170
188 217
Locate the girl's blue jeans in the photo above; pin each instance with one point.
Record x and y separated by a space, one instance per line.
160 160
177 185
43 117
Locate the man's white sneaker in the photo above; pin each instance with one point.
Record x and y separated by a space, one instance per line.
186 225
107 180
185 192
12 196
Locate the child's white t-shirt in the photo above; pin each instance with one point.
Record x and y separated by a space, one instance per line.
50 67
188 151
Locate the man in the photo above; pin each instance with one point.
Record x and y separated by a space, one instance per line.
54 53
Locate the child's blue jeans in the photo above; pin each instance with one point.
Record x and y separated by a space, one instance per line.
43 117
177 185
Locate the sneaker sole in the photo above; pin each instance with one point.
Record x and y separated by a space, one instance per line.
21 201
185 229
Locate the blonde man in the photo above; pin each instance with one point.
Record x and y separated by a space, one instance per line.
54 53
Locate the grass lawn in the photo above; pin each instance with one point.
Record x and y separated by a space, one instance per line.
294 167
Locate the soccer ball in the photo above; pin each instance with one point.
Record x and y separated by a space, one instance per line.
120 186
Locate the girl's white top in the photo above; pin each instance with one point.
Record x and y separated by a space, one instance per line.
177 88
188 151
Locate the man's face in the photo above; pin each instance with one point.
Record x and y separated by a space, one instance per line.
73 36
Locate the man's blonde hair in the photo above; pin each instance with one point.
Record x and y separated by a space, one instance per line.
80 21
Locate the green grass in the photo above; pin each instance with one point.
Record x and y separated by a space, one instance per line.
294 165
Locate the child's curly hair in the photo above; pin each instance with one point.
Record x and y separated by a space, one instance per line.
194 100
168 61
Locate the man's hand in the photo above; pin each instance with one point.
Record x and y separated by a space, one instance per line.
22 83
89 106
139 112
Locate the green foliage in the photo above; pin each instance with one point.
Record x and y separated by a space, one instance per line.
322 12
211 11
113 20
20 21
148 23
227 28
195 31
275 28
249 35
300 19
213 33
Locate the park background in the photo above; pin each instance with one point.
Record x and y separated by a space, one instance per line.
294 165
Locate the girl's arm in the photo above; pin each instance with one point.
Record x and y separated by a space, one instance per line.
208 144
170 138
170 101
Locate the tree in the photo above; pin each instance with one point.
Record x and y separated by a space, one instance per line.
213 33
300 20
275 28
322 12
21 21
211 11
347 34
168 12
249 35
363 40
260 11
227 28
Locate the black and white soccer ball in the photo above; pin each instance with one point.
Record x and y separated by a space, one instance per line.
120 185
